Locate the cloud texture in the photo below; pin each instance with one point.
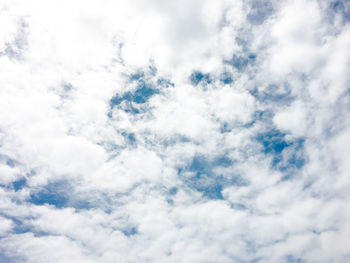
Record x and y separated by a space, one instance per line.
174 131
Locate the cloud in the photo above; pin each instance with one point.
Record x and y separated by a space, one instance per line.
187 131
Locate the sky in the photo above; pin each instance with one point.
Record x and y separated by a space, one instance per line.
188 131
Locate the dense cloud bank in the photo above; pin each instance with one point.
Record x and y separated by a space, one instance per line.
174 131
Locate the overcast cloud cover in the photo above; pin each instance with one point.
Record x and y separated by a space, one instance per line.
194 131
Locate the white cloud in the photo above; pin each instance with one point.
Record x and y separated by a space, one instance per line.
5 226
294 119
109 151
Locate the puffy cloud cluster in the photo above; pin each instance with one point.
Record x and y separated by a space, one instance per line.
174 131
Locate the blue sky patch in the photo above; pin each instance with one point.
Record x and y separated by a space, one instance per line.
130 231
199 77
226 78
130 138
209 186
260 10
50 197
58 195
162 82
133 101
143 93
137 76
201 164
140 95
342 8
240 62
274 143
222 160
173 191
205 180
19 184
20 227
273 94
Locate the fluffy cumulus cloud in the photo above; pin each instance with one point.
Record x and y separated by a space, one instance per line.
174 131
